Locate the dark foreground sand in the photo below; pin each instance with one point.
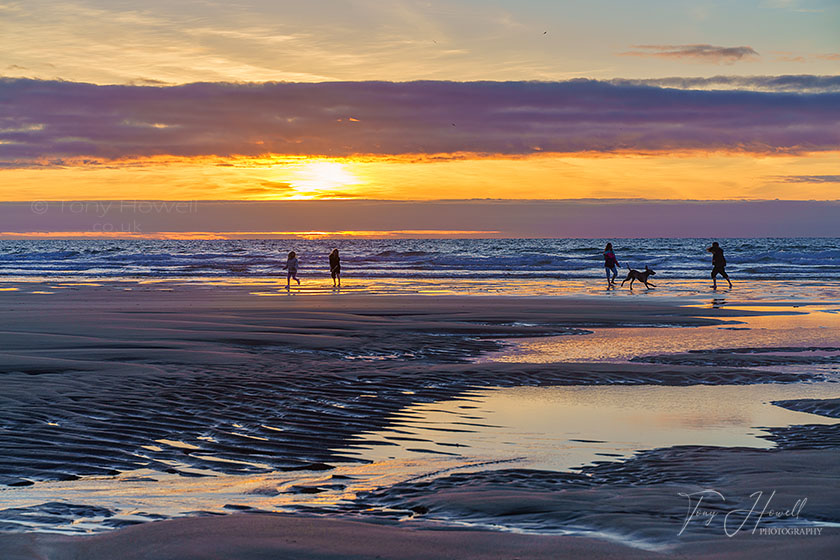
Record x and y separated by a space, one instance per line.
268 536
93 375
279 536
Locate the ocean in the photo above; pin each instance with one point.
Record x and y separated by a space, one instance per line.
503 260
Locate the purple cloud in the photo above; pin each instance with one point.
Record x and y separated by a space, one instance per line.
808 178
706 53
59 123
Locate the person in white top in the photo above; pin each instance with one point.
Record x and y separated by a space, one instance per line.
292 266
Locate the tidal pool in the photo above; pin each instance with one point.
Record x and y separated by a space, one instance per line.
805 327
552 428
560 428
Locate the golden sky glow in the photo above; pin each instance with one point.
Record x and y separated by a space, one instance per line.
705 176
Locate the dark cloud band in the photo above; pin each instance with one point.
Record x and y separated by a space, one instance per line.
808 179
44 121
702 52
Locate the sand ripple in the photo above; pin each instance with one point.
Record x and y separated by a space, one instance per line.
97 389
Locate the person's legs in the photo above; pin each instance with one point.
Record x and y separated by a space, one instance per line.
288 278
719 270
607 272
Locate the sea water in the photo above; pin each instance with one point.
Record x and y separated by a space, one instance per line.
762 269
815 259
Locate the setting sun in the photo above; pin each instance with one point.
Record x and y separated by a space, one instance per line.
322 179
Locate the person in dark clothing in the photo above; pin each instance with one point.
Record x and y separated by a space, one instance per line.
335 267
610 264
718 264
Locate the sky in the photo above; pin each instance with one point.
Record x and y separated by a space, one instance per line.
419 101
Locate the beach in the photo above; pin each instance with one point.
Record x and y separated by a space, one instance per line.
174 420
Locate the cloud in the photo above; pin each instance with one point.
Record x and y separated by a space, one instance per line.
797 83
791 57
52 123
274 186
705 53
807 179
481 218
270 189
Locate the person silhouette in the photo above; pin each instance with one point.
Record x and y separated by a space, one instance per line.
335 267
610 264
718 264
292 266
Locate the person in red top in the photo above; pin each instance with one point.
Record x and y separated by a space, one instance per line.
610 264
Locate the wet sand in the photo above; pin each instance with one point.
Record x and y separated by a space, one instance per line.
283 536
200 381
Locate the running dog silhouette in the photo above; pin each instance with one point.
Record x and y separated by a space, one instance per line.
642 277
